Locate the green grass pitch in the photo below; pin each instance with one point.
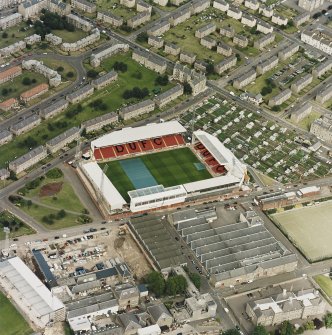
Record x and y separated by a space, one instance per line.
169 168
11 321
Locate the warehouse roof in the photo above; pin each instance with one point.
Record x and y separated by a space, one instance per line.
127 135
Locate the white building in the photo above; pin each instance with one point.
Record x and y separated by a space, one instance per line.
310 5
97 58
319 37
10 20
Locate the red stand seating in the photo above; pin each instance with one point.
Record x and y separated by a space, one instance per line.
107 152
120 150
97 154
145 145
211 161
158 143
170 140
179 139
133 147
220 169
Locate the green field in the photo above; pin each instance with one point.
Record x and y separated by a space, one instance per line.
70 36
309 229
169 168
17 227
15 34
11 321
325 284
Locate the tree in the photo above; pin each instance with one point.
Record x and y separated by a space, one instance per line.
209 68
266 90
318 323
61 214
260 330
120 66
60 68
328 320
70 74
238 57
4 91
92 74
176 284
309 325
187 89
156 283
162 80
287 328
196 279
26 81
231 332
4 35
142 37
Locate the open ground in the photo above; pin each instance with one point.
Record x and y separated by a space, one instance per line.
309 229
169 168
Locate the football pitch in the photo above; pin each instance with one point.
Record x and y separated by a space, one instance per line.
168 168
309 229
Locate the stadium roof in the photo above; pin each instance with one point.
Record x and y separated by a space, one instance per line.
29 286
127 135
221 153
104 185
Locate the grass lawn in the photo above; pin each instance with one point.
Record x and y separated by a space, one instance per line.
169 168
307 121
15 86
111 95
325 284
38 212
115 8
70 36
11 321
55 63
7 218
15 35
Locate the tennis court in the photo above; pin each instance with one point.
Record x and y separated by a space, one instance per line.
309 229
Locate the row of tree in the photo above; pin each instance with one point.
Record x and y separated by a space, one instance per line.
136 92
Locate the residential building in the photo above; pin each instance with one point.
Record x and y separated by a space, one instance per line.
10 21
128 3
8 104
310 5
164 98
280 98
201 307
80 94
139 19
53 76
53 39
97 58
31 8
84 6
108 17
241 41
5 136
99 122
79 23
234 12
251 4
208 42
136 110
127 295
267 65
59 7
205 30
322 128
180 16
150 61
149 330
26 161
54 109
187 57
322 69
266 11
32 39
244 79
10 73
4 174
13 48
200 66
159 28
82 43
196 80
301 83
264 41
9 3
131 323
299 113
142 6
288 52
221 5
172 49
301 18
161 2
227 31
198 6
156 41
104 80
248 20
160 315
256 99
60 141
264 27
319 37
286 306
225 65
279 20
25 125
224 49
325 94
34 92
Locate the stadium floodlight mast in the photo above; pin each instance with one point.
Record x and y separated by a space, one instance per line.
6 230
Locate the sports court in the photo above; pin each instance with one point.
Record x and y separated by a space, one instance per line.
168 168
309 229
